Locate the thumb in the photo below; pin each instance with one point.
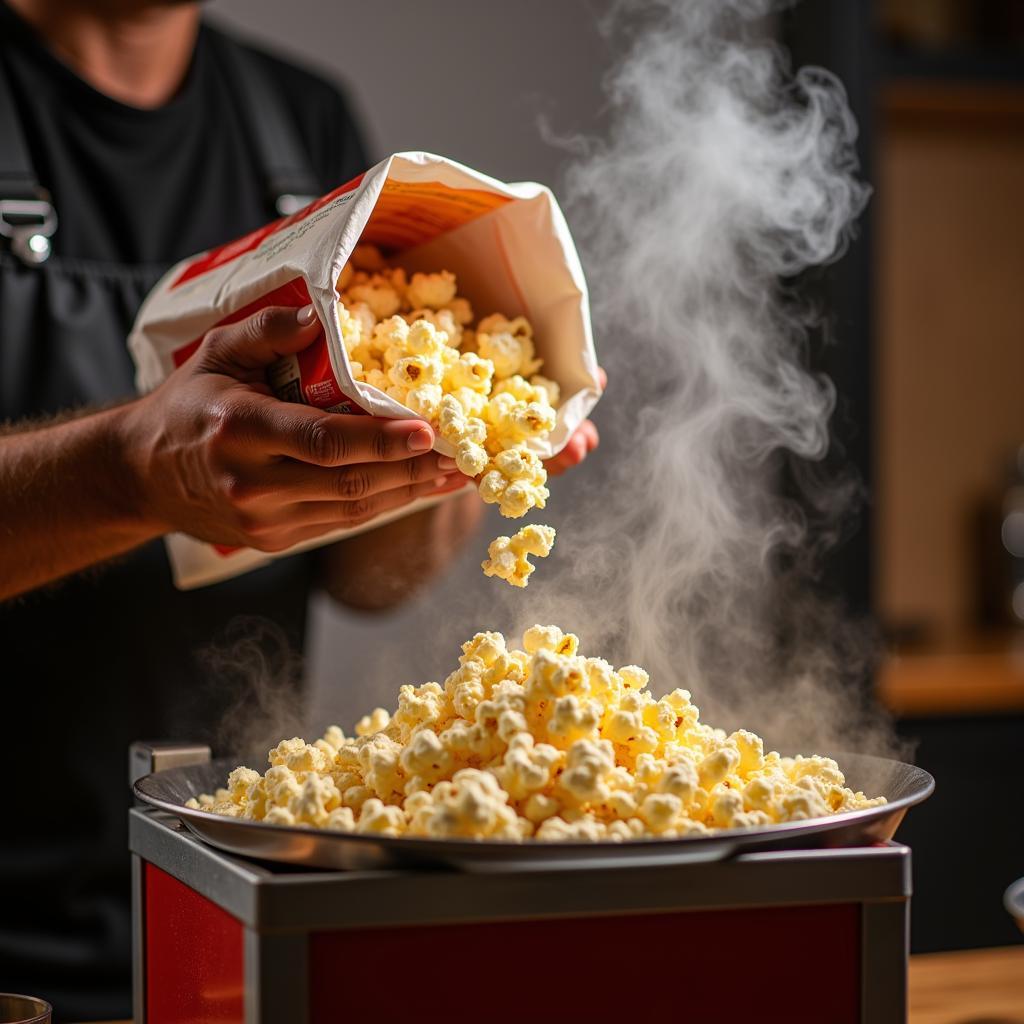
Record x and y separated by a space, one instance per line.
243 350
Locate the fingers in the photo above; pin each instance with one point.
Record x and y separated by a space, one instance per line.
354 513
300 481
602 377
308 520
245 349
583 441
328 439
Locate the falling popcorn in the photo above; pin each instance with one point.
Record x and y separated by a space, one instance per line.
540 743
479 389
514 481
508 557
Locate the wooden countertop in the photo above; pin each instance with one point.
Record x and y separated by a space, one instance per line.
977 986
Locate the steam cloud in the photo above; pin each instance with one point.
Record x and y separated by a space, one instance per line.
721 176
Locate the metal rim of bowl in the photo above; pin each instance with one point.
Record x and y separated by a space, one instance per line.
497 848
33 1004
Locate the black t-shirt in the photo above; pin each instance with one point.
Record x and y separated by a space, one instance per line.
116 654
148 186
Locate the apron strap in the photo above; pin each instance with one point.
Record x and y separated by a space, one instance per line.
27 217
17 178
290 181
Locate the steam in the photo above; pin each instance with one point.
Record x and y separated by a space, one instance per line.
722 176
254 678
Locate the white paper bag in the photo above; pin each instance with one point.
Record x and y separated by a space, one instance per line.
508 245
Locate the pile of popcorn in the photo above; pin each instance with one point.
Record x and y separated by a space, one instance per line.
539 743
411 337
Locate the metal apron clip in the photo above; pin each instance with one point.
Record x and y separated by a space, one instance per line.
29 224
27 216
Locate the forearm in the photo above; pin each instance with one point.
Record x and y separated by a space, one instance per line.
67 500
379 569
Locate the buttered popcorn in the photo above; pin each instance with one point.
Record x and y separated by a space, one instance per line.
508 557
539 742
480 389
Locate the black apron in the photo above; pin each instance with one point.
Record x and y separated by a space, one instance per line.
97 661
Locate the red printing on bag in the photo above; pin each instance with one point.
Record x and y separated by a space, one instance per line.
214 258
293 293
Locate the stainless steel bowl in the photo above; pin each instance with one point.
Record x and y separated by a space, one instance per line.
903 785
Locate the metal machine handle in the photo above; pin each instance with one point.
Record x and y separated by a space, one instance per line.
146 757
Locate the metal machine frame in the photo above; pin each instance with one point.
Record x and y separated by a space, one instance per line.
280 908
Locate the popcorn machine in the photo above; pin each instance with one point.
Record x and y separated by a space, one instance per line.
802 935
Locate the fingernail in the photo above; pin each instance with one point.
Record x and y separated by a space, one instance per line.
306 315
445 462
421 440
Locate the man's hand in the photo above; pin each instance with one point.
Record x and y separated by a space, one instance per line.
210 452
217 456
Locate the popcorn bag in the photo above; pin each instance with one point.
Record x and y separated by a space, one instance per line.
507 245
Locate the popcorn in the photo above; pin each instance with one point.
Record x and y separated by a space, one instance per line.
549 387
480 390
472 804
279 816
239 782
426 339
341 819
538 743
508 557
433 290
415 371
444 320
523 390
470 458
376 721
549 638
425 400
508 344
377 291
514 481
317 798
380 818
470 371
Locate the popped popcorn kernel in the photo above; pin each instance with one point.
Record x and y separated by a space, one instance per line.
376 721
433 290
535 743
514 480
377 291
508 557
508 344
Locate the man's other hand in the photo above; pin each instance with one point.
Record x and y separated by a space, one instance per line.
583 441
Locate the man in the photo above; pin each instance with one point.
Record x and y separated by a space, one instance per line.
133 122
